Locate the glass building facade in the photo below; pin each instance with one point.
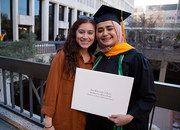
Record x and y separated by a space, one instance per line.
37 13
19 16
6 17
23 7
70 17
61 13
51 22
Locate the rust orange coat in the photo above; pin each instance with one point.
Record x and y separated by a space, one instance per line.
58 95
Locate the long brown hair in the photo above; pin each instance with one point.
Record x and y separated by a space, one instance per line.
71 47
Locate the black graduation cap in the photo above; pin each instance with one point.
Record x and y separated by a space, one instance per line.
106 13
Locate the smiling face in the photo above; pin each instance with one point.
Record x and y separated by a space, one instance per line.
85 35
106 34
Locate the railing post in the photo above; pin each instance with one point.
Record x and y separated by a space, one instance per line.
30 97
41 97
152 116
21 93
12 89
4 86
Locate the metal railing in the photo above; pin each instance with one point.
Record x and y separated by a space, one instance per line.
48 46
20 70
168 95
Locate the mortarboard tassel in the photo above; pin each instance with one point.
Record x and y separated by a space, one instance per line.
122 26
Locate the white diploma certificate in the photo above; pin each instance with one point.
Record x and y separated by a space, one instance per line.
101 93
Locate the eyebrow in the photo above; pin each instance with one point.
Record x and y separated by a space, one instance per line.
84 30
105 26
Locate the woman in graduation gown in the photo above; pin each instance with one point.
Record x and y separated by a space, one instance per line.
118 57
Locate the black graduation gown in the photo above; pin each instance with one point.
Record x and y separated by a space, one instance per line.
143 97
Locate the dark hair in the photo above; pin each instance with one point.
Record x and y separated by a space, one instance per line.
71 47
3 31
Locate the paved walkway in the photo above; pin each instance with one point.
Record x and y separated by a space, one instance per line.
19 123
6 126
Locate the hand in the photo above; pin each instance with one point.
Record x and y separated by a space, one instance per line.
121 120
48 123
52 128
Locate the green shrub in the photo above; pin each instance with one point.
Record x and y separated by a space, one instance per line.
51 58
22 49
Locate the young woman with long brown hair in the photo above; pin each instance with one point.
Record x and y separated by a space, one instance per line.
77 52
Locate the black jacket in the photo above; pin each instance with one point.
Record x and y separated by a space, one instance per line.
143 97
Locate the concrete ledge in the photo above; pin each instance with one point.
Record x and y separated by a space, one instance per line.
17 121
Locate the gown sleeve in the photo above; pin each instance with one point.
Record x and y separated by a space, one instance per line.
143 93
52 85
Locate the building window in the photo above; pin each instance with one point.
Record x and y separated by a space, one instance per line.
37 13
70 17
6 17
23 7
51 22
22 30
61 13
78 13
